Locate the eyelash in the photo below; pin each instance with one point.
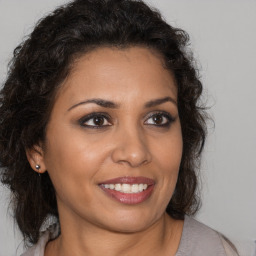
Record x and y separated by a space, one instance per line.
169 119
91 116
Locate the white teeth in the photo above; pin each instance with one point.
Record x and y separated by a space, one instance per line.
141 186
135 188
127 188
118 187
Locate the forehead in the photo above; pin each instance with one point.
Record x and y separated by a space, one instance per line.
114 72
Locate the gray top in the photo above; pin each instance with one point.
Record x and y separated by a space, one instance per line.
197 240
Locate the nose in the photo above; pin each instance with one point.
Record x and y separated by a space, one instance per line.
131 148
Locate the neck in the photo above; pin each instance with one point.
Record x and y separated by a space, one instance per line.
161 238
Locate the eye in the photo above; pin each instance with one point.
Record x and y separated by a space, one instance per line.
95 120
162 119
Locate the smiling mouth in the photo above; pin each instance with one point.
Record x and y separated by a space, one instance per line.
128 190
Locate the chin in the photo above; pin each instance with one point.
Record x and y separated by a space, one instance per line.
131 222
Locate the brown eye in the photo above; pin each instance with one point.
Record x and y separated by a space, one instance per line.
95 120
161 119
99 120
158 119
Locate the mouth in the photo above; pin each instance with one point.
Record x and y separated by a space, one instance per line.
128 190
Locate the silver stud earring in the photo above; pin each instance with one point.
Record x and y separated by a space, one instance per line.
38 168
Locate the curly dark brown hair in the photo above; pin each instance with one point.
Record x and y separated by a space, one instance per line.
44 60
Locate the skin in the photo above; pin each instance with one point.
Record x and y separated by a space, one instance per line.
130 142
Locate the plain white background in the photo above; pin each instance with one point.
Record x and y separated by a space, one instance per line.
223 39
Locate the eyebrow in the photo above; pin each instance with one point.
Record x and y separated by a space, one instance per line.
110 104
157 102
100 102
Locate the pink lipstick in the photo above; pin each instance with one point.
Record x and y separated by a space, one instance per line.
128 190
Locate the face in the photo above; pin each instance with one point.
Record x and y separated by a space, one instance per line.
113 142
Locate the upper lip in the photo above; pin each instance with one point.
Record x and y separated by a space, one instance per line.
130 180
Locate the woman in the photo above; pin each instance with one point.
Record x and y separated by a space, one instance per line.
101 135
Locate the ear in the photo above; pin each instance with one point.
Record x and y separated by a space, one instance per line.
35 156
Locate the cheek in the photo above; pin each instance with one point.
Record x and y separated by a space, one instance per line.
68 148
72 161
168 158
169 152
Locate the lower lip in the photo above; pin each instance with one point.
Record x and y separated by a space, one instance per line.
129 198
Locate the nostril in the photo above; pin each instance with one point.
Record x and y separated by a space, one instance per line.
131 151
